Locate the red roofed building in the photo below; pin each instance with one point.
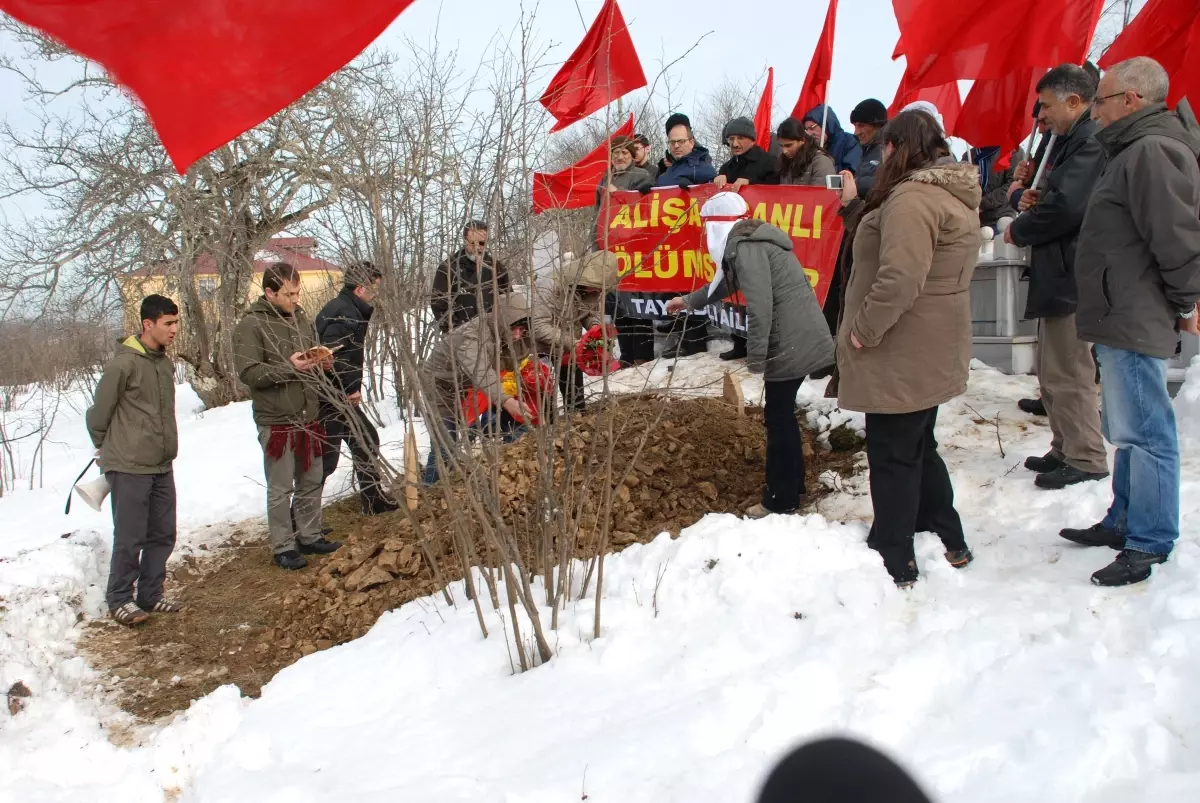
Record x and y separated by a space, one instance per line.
320 280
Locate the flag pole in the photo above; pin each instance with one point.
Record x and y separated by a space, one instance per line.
1029 147
824 115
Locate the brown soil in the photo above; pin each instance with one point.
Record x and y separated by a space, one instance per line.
245 619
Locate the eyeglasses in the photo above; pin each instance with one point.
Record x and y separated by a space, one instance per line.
812 128
1100 100
679 141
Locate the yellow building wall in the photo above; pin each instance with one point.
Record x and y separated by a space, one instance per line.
316 288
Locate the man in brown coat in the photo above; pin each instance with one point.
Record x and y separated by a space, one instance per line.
132 425
272 344
571 304
470 358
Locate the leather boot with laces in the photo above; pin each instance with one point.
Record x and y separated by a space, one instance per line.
1130 567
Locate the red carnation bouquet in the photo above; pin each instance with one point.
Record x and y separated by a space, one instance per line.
593 352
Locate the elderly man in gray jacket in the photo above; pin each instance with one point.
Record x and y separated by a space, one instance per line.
1138 274
786 339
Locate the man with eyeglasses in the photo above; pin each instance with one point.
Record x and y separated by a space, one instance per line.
690 164
1049 222
1139 281
466 283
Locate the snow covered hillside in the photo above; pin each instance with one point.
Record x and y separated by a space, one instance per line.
1012 680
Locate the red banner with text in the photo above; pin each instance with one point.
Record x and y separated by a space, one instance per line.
658 239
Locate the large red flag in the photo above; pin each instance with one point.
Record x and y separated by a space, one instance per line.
575 186
946 97
1167 31
983 39
207 71
604 67
819 69
762 115
997 111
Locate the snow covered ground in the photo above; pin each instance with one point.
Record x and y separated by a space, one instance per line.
1013 680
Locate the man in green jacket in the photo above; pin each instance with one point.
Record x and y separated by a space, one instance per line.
132 426
271 345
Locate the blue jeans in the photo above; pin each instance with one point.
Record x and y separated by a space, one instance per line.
1137 418
490 424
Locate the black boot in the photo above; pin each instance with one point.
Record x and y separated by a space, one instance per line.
959 558
319 547
1044 464
1032 406
1066 475
738 352
290 560
1129 567
1096 535
375 504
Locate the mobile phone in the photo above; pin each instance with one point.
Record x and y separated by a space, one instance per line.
833 182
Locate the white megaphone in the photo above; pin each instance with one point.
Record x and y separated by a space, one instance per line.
93 493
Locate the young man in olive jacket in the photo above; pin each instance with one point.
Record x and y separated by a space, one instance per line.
1138 269
270 345
1050 224
132 426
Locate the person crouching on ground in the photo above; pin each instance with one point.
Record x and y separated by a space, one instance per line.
786 336
132 425
562 311
905 343
471 357
269 347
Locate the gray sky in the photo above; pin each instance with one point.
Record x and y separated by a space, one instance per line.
746 39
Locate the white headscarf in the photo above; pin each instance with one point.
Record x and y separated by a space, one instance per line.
719 214
928 108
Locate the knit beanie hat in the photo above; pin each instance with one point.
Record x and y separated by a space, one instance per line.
739 127
677 119
869 112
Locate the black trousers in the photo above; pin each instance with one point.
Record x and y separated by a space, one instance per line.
910 489
635 336
570 385
143 511
785 447
692 331
363 439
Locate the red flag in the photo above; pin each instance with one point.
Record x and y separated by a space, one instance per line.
812 94
575 187
983 39
604 67
945 97
1167 31
762 116
997 111
207 71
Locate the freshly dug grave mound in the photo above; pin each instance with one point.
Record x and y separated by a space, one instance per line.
245 620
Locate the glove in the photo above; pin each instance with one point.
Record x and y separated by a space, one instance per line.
645 190
685 183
